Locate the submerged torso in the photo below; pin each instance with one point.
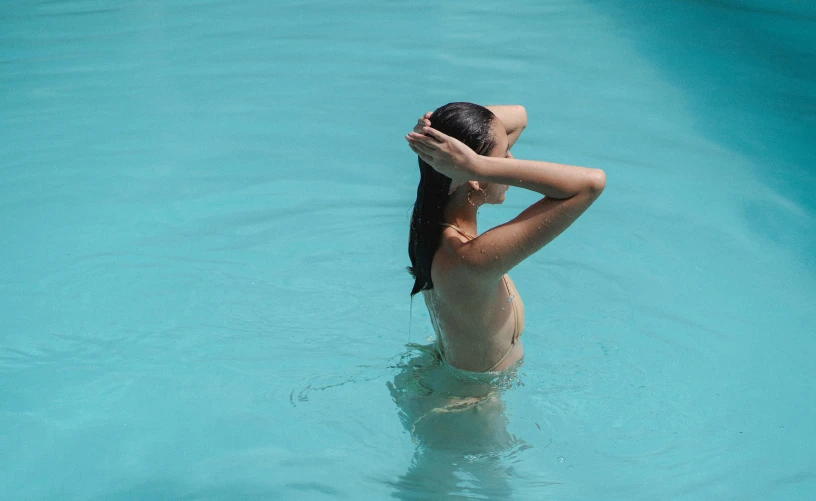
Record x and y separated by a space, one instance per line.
477 327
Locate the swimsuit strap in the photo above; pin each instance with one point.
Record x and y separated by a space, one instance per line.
516 332
460 230
493 367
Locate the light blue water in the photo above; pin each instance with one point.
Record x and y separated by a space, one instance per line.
204 210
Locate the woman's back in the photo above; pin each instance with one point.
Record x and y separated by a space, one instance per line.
487 341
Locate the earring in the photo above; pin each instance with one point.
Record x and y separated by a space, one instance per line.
484 197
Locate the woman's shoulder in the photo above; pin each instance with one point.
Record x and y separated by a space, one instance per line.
452 268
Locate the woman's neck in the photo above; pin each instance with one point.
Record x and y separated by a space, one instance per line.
461 213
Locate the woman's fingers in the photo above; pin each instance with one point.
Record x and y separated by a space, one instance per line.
419 139
418 136
429 131
420 154
416 143
424 139
423 121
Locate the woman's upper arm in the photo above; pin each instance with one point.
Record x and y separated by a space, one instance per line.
497 251
513 117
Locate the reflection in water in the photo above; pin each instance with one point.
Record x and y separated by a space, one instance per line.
458 423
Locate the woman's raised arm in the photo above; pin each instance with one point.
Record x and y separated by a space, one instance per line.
514 118
553 180
568 192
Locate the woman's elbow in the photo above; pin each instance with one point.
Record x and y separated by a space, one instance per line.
596 182
522 114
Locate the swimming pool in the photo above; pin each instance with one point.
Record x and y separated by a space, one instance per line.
205 207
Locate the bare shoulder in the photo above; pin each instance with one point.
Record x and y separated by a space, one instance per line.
453 267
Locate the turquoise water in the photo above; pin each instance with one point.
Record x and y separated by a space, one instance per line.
204 209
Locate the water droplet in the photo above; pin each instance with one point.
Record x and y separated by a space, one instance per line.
561 459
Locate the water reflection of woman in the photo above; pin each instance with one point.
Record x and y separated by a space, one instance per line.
459 426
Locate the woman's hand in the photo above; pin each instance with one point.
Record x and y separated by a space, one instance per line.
419 128
447 155
424 121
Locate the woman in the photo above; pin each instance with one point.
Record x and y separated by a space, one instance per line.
465 162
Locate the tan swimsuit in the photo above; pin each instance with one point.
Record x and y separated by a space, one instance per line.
512 295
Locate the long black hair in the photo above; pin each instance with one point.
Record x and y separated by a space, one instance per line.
472 124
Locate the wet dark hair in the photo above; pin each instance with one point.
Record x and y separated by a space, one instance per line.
472 124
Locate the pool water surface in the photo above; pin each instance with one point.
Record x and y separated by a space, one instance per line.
205 205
